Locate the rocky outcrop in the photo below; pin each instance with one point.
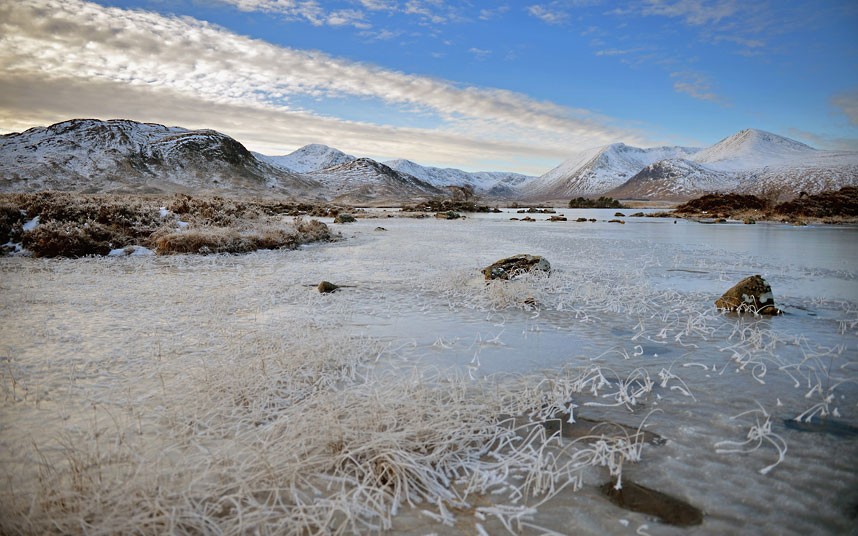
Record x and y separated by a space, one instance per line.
510 267
752 294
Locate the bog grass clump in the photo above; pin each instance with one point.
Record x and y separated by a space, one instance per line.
63 224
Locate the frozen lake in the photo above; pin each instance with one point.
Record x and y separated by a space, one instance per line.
171 375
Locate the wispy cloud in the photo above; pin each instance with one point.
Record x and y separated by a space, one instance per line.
695 85
552 14
847 102
306 10
172 59
480 53
694 12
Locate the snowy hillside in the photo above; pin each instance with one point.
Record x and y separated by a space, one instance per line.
751 161
595 171
364 180
483 182
673 179
308 159
127 156
753 149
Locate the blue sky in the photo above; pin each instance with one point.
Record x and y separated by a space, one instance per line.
477 85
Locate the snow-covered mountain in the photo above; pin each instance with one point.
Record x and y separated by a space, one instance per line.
496 183
364 180
752 149
750 161
127 156
308 158
597 170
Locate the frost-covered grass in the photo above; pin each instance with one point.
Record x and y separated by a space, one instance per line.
225 395
62 224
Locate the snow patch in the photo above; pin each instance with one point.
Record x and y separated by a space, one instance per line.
32 224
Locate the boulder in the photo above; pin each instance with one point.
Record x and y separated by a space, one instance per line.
449 215
326 287
342 217
752 294
557 218
510 267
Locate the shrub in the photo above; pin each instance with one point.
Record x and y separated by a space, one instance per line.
602 202
61 239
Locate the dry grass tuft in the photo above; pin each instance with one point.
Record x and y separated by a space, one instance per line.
77 225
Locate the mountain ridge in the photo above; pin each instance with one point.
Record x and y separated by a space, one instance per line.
122 155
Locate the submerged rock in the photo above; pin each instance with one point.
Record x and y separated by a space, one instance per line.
648 501
823 426
326 287
752 294
584 427
557 218
510 267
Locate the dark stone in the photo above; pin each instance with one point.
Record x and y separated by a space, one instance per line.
380 229
510 267
326 287
449 215
752 294
619 215
557 218
342 217
581 219
648 501
617 221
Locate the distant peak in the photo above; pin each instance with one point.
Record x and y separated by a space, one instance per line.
754 135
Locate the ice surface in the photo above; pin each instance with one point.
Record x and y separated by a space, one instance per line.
157 370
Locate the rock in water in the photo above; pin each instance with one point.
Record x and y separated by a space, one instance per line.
648 501
510 267
326 287
344 218
751 294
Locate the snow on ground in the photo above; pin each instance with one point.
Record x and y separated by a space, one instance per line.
224 393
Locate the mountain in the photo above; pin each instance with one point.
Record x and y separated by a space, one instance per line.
90 155
308 159
494 183
126 156
595 171
364 180
753 149
750 161
673 179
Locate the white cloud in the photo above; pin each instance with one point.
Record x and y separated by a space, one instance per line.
480 53
848 104
172 59
695 85
547 13
694 12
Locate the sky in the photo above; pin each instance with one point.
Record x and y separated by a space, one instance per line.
475 85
